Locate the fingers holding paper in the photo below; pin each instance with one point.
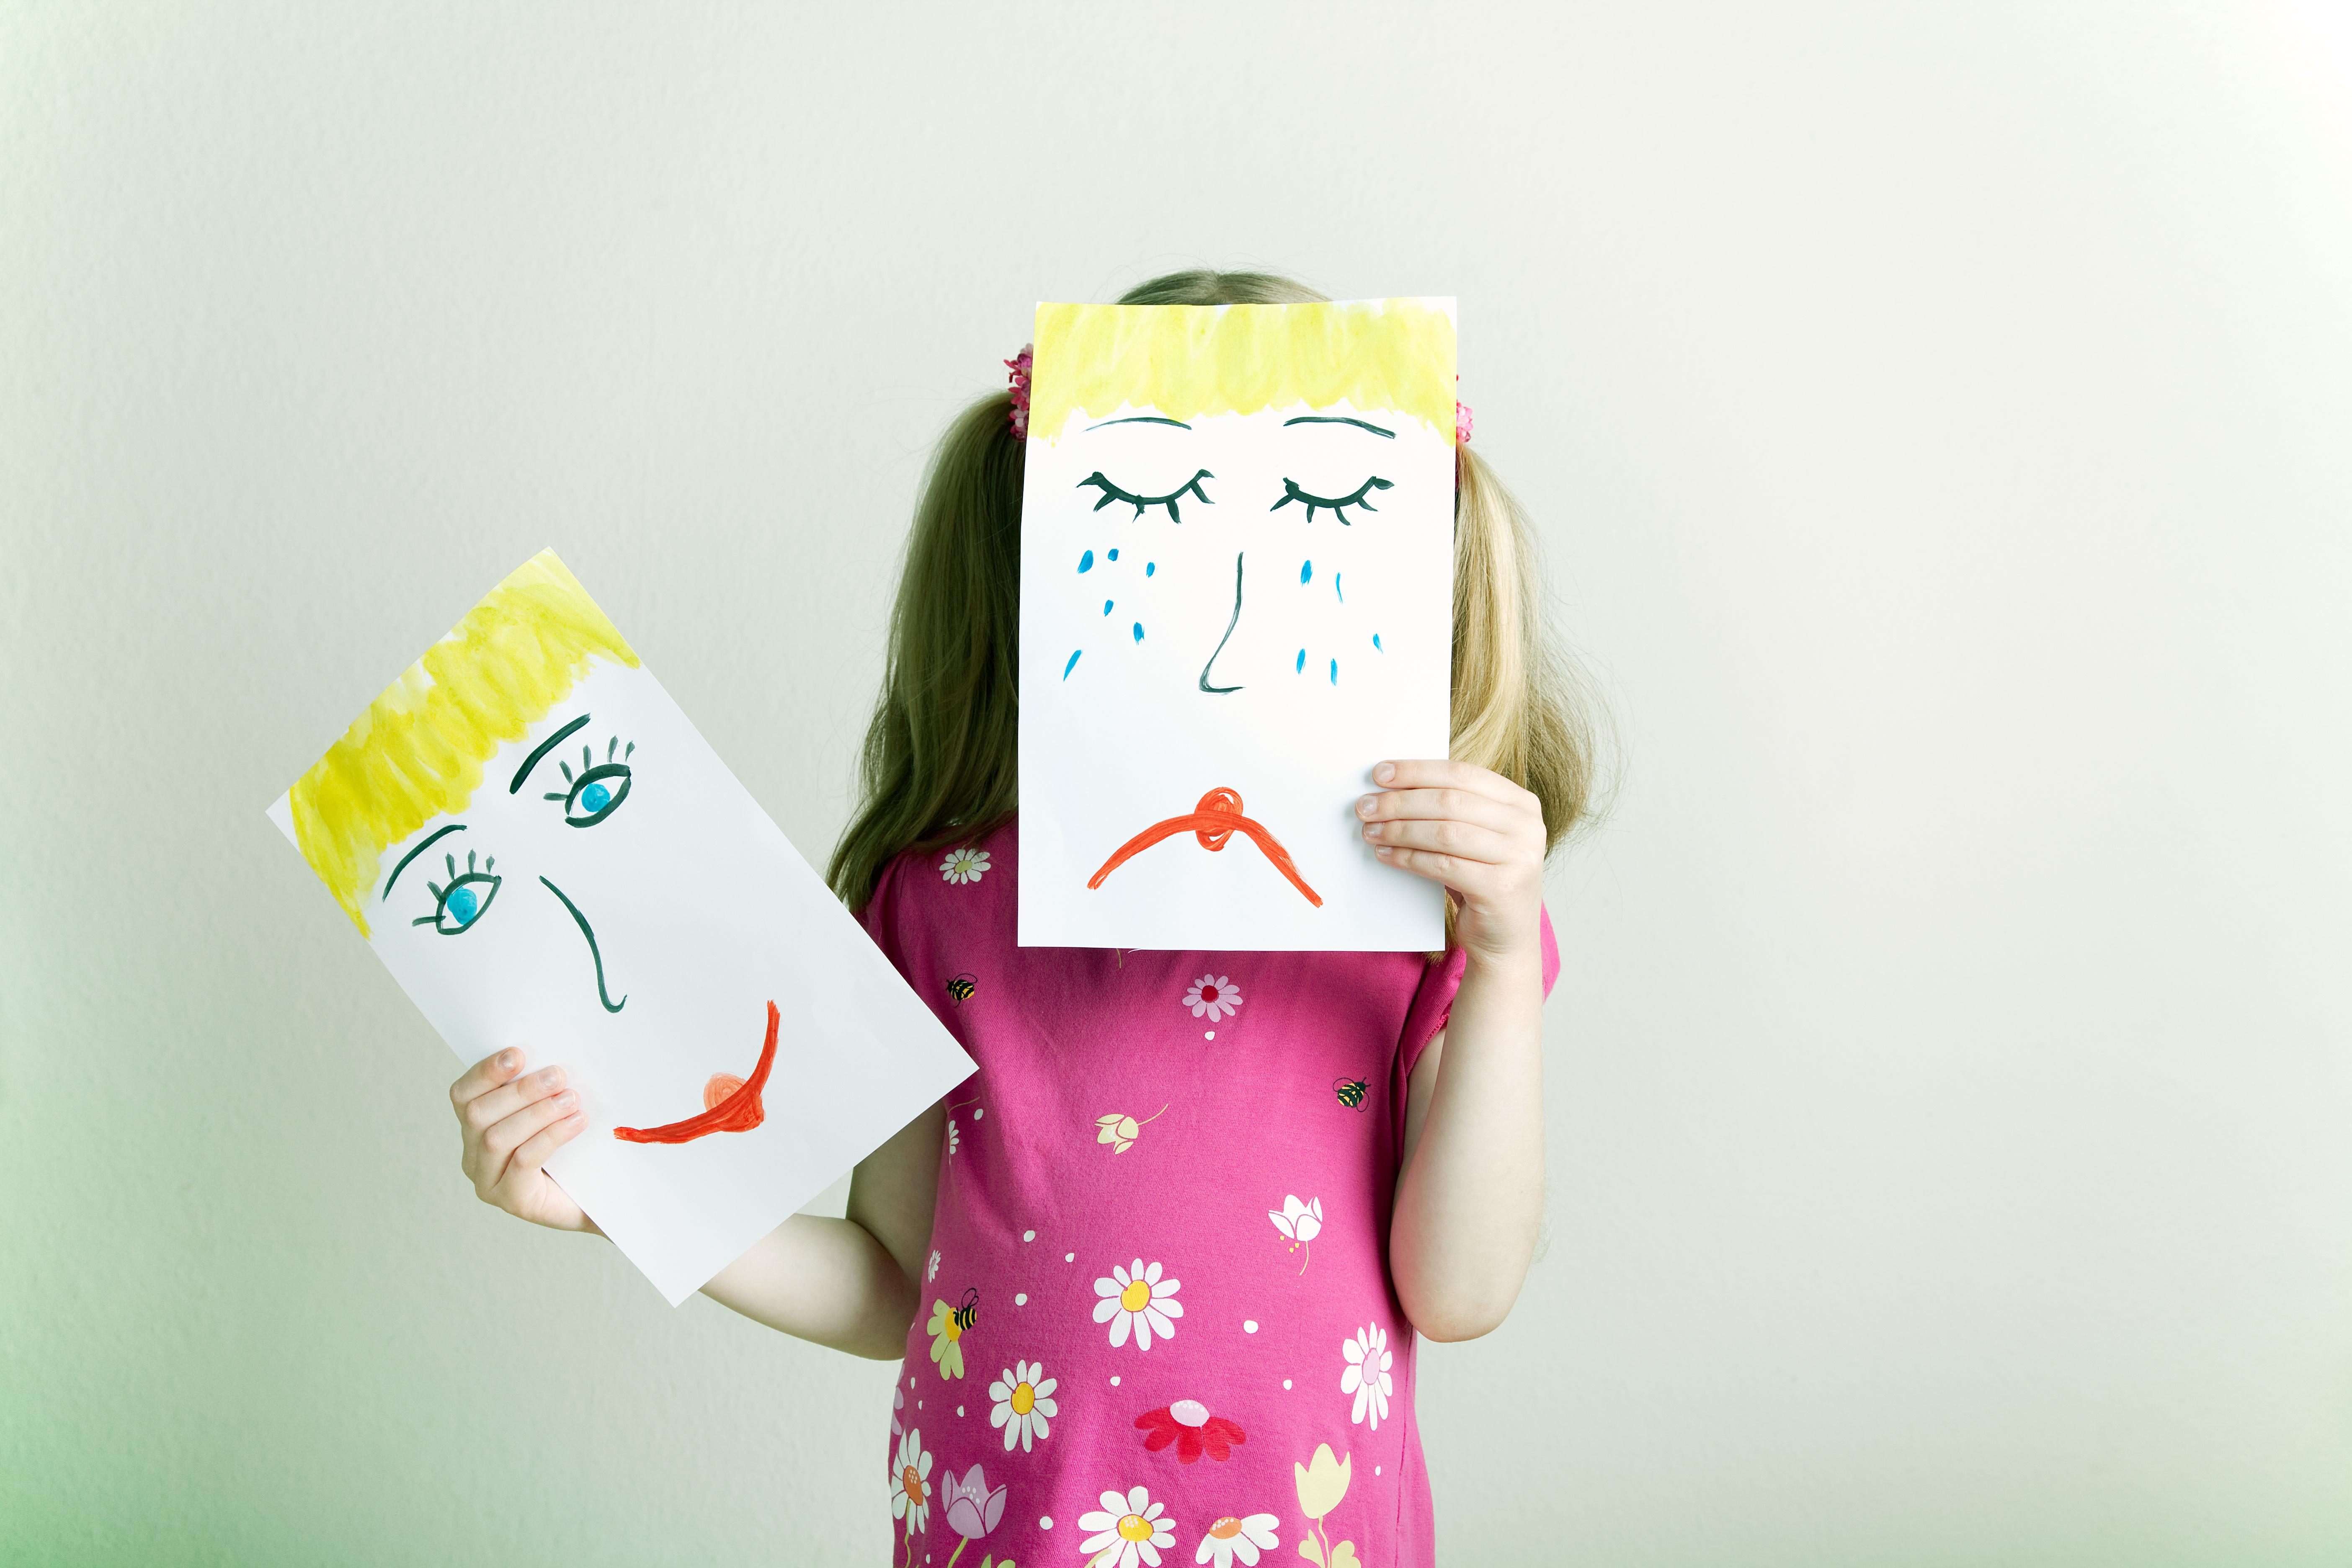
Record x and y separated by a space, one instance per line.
1472 830
512 1122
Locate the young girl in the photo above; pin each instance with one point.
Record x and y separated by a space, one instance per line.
1157 1269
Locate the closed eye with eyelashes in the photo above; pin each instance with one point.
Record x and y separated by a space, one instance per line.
1291 492
1111 493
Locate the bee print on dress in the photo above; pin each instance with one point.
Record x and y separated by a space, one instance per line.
1352 1091
947 1327
961 988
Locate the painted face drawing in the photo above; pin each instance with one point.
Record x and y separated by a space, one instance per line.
562 868
1236 540
547 855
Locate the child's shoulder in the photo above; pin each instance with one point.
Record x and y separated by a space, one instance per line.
959 884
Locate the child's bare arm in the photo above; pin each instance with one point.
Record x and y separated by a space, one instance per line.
1470 1192
847 1283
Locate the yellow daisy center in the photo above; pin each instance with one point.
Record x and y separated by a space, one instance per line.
1136 1297
1024 1396
1135 1527
1225 1529
912 1480
954 1330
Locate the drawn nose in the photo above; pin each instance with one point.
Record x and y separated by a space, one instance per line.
590 933
1221 641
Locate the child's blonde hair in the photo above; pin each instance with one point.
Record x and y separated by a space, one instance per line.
939 760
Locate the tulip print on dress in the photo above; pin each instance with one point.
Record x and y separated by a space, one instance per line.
1322 1486
973 1511
1302 1223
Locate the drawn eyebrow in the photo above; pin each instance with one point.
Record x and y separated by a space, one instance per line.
1141 419
1337 420
545 746
405 859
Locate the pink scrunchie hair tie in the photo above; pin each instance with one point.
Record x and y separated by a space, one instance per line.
1020 366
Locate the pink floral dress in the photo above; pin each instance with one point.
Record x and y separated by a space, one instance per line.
1157 1322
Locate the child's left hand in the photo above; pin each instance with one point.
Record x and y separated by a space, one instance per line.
1474 831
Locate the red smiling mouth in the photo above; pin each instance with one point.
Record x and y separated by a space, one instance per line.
1213 821
733 1102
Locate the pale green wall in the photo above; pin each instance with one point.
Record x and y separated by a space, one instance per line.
1939 426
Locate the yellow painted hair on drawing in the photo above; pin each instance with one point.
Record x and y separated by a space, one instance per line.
1187 361
417 753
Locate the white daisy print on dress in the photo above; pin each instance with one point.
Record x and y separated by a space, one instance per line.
1138 1300
963 866
1214 997
1302 1223
1024 1402
1129 1530
1231 1541
910 1484
1367 1376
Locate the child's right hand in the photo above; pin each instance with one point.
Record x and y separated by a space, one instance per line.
513 1124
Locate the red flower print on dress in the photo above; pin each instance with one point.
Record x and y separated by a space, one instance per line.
1213 996
1195 1432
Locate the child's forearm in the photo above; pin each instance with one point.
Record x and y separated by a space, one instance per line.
849 1283
1470 1196
826 1280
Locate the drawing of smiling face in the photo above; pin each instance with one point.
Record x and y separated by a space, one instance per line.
546 854
1227 617
585 886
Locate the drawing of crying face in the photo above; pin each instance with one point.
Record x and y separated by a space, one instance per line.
591 895
1241 552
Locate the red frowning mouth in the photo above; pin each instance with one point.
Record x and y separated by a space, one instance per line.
732 1104
1213 821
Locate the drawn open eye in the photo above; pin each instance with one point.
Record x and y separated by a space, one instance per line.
1291 492
460 904
599 788
1111 493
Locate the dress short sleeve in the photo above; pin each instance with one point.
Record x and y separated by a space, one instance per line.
1432 1003
880 916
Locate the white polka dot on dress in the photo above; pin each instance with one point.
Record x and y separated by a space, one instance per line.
1114 1381
1047 1523
1021 1299
1286 1382
1028 1235
1249 1325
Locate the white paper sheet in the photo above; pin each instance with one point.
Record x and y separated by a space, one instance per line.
1219 626
701 915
